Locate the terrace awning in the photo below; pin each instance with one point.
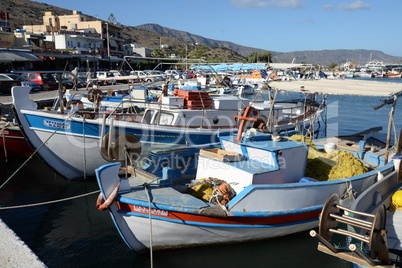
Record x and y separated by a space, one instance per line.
14 56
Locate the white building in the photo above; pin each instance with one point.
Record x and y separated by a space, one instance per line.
80 41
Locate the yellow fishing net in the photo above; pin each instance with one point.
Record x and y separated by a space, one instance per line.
336 165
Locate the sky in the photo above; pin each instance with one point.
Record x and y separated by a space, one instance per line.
273 25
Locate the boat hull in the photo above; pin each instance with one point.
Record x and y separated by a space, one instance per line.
168 235
13 143
259 212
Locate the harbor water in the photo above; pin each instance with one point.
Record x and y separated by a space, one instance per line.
73 233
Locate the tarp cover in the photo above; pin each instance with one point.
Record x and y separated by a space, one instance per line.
231 67
13 56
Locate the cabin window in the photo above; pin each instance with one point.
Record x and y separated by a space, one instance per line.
148 116
165 118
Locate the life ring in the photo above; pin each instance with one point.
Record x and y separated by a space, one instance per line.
101 204
130 143
252 113
95 95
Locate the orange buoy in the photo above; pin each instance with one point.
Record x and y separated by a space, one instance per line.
102 204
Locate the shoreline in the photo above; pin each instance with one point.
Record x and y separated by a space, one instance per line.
14 252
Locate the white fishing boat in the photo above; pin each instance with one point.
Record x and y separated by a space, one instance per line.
259 190
74 141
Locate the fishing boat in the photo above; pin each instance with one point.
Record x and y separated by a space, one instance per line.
73 141
133 98
367 230
257 185
12 141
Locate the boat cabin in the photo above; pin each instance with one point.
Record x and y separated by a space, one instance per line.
260 159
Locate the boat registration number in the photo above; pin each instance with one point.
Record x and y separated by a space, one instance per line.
157 212
55 124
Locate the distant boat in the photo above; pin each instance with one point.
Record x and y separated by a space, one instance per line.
12 141
378 75
394 74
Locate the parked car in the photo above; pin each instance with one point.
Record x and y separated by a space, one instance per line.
7 84
156 75
120 75
45 80
68 81
24 82
144 76
161 73
177 74
190 73
105 74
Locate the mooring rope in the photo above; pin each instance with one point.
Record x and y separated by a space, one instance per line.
51 202
150 224
3 134
30 157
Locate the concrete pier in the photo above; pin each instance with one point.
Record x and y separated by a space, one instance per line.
14 253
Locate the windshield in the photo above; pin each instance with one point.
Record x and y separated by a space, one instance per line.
17 77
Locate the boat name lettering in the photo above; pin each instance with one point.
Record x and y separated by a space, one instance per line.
153 211
55 124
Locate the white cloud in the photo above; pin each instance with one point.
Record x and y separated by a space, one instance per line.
351 6
267 3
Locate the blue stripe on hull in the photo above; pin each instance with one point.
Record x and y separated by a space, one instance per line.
157 136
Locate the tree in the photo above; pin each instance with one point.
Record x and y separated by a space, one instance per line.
252 57
201 52
157 53
332 66
265 56
112 19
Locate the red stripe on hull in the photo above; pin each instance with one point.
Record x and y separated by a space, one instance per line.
234 220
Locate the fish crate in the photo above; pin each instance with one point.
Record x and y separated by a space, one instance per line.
221 155
191 94
198 104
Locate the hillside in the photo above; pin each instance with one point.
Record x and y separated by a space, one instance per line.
25 12
192 38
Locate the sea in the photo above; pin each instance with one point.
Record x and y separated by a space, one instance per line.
66 229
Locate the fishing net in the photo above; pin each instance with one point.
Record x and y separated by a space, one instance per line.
211 190
335 165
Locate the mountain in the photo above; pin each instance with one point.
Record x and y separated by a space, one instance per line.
322 57
338 56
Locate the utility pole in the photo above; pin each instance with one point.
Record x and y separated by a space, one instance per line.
108 45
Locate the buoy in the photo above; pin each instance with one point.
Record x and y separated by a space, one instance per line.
396 200
95 95
103 205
